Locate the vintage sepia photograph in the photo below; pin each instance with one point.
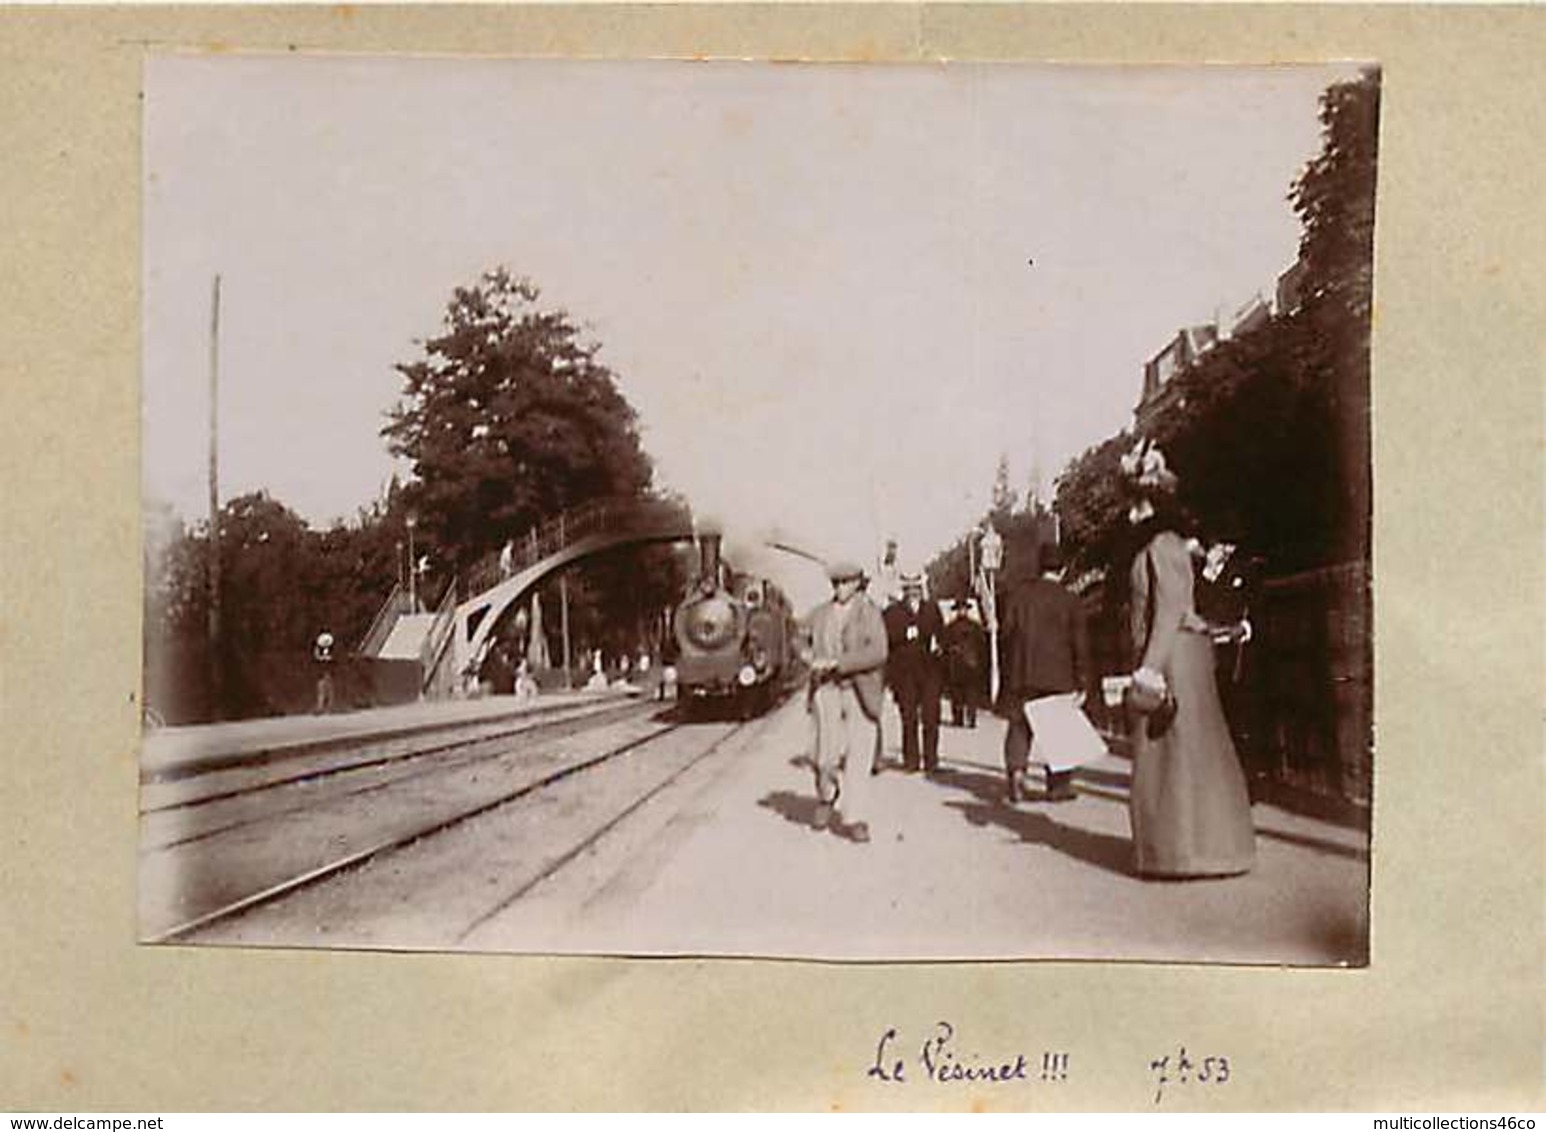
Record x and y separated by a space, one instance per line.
856 512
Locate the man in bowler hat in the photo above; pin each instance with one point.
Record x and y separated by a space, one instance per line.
913 631
1224 592
966 651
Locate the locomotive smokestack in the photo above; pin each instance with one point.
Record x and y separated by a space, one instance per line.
708 552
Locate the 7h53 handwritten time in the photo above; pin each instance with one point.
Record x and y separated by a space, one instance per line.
1183 1071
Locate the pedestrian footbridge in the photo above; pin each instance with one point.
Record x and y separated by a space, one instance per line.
451 642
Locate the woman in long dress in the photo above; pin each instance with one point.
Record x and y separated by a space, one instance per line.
1190 811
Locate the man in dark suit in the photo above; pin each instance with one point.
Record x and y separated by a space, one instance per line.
1044 651
966 653
914 649
1224 592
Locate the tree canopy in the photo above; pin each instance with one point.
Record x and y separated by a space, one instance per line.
282 583
1269 431
509 418
1334 198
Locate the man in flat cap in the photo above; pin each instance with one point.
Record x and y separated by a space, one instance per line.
848 656
913 669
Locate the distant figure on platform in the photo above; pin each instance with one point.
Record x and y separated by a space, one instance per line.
992 547
914 655
1046 672
322 656
966 657
669 651
497 673
848 658
1190 812
598 676
507 559
420 569
526 689
887 585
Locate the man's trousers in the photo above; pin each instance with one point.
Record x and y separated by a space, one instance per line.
845 747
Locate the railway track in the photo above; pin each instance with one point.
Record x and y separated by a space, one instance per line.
189 779
189 809
263 859
600 825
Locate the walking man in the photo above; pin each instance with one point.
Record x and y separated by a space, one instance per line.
848 653
913 630
1046 674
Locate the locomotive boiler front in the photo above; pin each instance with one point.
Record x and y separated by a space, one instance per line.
730 639
709 626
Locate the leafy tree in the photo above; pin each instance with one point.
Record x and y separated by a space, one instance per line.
175 571
1089 502
268 575
356 566
509 418
1335 198
1269 431
1034 499
1003 499
281 584
949 571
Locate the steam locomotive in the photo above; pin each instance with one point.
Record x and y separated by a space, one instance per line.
735 637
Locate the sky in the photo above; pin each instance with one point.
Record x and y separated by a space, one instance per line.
836 294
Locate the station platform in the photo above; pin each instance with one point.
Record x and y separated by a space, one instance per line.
731 863
172 752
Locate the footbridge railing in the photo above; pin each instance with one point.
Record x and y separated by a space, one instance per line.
599 516
381 626
438 640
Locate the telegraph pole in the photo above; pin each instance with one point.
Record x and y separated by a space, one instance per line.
563 597
216 670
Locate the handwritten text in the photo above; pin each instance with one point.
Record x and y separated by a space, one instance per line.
941 1059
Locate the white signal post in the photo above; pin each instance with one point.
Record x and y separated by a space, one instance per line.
992 560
